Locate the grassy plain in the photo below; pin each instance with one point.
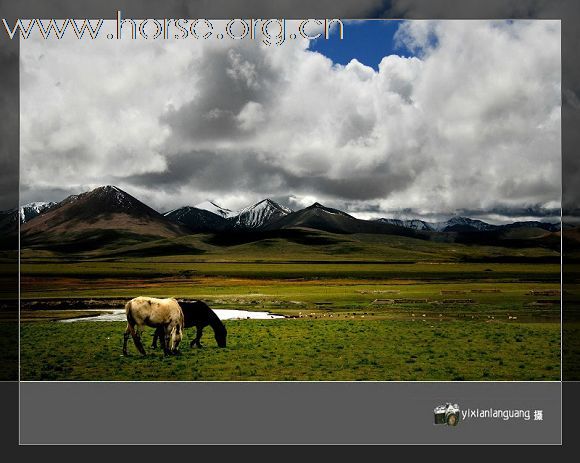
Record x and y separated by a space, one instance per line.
365 307
302 349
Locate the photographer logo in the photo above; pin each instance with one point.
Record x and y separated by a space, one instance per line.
448 414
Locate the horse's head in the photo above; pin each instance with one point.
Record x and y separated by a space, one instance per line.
176 337
220 336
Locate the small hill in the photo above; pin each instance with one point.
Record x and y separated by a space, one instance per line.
199 220
319 217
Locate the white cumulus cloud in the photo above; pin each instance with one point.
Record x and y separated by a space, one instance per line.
471 122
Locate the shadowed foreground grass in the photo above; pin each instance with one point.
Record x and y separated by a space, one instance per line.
306 350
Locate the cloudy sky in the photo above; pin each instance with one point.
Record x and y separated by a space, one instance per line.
416 118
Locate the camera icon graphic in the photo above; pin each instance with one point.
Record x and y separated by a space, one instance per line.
448 414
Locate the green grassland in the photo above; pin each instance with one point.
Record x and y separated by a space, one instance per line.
364 307
307 350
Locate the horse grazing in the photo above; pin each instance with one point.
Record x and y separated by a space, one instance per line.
200 315
165 315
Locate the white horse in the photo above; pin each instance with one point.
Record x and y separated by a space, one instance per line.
156 313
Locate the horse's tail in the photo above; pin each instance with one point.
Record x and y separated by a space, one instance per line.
181 324
130 318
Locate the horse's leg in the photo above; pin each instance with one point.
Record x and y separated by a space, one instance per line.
198 335
125 338
136 333
160 335
167 339
157 335
195 341
176 337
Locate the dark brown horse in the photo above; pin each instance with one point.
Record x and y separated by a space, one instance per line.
200 315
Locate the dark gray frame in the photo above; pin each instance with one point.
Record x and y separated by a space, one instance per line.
286 412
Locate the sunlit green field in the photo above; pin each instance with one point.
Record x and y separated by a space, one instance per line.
362 308
439 322
309 350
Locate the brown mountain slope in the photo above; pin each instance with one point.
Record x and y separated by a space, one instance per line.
323 218
104 208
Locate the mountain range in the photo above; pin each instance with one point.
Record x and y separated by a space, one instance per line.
209 217
111 212
463 224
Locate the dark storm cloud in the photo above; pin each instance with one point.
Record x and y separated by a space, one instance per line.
219 173
210 172
535 210
522 188
230 79
366 186
361 188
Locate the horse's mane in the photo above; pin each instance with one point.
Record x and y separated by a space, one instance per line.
215 322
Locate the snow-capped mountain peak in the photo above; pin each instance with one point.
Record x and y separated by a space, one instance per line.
260 214
459 222
456 223
250 217
31 210
265 204
276 205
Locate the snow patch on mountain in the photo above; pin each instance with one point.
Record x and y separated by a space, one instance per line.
179 213
327 210
458 222
454 223
218 210
414 224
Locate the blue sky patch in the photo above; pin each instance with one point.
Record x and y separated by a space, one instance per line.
367 40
